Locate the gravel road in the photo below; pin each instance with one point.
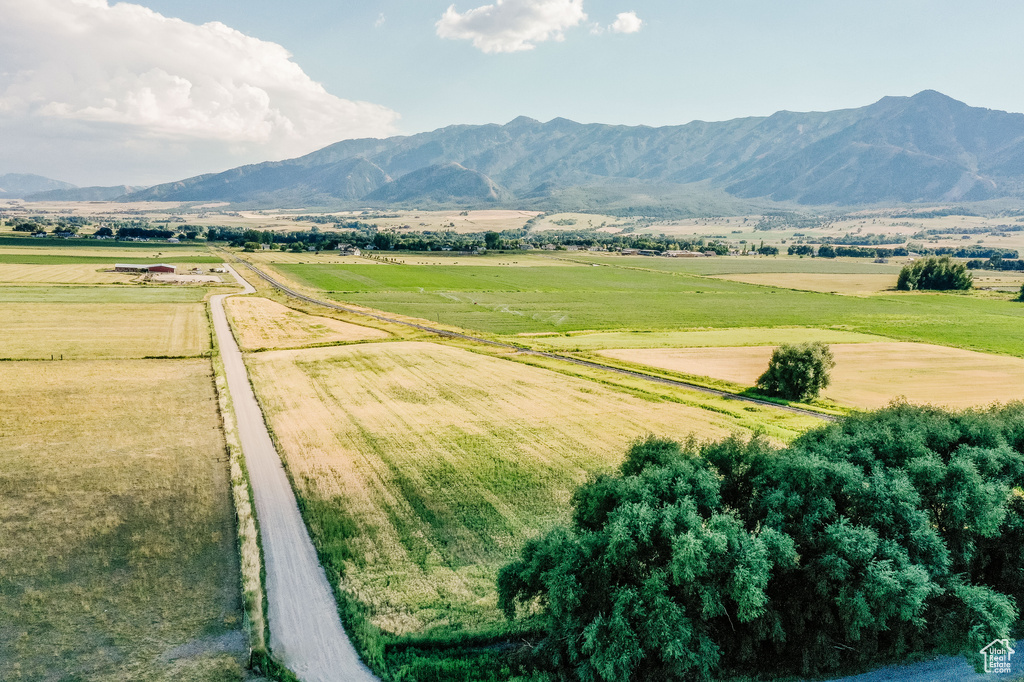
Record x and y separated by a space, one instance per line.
305 631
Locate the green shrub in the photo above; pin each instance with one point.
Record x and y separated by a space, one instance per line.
886 534
939 274
798 371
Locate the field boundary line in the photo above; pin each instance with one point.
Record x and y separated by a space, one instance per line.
528 351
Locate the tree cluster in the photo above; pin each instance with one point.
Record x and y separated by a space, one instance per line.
937 274
885 534
798 371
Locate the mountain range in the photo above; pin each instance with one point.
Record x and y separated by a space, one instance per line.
924 148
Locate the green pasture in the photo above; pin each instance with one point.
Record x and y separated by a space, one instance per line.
519 300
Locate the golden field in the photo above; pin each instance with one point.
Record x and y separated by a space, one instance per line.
737 336
117 544
423 467
37 330
867 375
261 323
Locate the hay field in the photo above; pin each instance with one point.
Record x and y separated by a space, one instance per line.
117 545
867 375
422 467
37 330
262 323
751 336
823 282
19 273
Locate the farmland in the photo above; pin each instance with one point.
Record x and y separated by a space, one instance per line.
422 467
100 322
261 323
117 557
517 300
867 375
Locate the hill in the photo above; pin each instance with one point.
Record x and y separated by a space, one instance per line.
19 185
83 193
925 148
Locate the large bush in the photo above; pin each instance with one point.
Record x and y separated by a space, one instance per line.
798 371
941 274
889 533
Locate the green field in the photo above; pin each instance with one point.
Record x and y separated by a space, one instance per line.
51 243
529 300
740 264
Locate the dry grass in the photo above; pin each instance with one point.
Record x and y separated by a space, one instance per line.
34 330
61 274
117 541
261 323
432 464
867 375
827 283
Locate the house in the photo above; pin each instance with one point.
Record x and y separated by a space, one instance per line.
173 240
572 248
549 247
629 252
161 267
647 252
595 248
38 234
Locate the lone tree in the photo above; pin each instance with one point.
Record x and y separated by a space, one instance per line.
492 240
1020 296
798 371
938 274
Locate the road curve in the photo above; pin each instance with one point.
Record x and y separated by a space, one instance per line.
306 633
525 351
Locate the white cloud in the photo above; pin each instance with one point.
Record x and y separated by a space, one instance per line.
626 22
85 71
512 25
380 20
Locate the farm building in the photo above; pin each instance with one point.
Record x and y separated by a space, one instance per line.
126 267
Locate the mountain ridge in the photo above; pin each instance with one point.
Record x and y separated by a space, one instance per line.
924 148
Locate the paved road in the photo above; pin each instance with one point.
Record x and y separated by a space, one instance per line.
941 669
305 631
565 358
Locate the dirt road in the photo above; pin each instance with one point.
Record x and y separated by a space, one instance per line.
305 631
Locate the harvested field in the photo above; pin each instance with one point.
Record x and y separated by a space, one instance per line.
117 545
867 375
823 282
422 467
16 273
738 336
31 330
261 323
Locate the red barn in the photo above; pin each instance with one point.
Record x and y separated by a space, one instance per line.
162 268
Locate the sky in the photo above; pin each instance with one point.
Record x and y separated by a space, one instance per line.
98 93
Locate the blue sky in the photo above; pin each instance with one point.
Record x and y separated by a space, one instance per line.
691 60
100 105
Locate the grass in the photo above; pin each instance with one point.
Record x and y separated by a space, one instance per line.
867 375
90 294
529 300
755 336
739 264
824 282
117 544
259 323
421 468
34 330
50 258
51 243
